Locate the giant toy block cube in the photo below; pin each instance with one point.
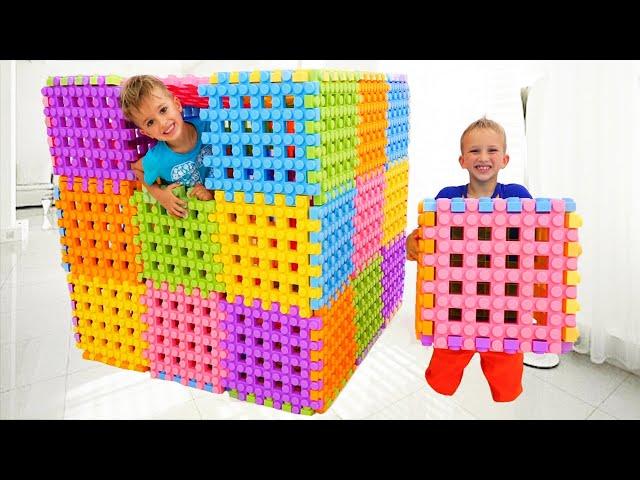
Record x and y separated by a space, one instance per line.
498 274
277 288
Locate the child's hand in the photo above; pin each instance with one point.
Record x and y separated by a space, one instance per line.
200 192
174 205
412 245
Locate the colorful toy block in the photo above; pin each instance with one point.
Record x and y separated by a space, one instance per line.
275 290
106 320
497 275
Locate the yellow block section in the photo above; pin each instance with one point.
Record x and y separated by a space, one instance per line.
572 249
266 251
276 76
109 325
571 277
395 201
570 305
214 78
570 334
234 77
427 246
254 77
572 220
300 76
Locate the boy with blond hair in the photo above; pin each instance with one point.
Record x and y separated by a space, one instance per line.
483 147
177 158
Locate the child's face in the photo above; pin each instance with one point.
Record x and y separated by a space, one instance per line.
160 117
483 154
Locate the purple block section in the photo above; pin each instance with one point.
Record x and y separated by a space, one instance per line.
70 287
566 347
393 261
454 342
74 321
482 344
510 345
89 136
77 337
539 346
269 353
426 340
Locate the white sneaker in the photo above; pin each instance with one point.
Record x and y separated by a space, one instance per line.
541 360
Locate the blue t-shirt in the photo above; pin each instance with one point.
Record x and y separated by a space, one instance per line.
501 191
185 168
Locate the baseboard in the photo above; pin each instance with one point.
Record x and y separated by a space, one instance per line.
31 195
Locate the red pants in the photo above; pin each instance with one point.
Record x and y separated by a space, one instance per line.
503 372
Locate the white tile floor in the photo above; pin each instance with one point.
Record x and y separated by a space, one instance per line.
42 373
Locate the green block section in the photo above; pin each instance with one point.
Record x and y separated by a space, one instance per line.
251 398
286 407
113 80
64 81
78 79
233 393
307 411
268 402
49 81
367 288
178 251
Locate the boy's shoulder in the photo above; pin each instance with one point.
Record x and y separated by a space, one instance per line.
514 190
452 192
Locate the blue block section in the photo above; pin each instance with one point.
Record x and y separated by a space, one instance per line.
193 383
161 375
569 204
457 205
485 205
336 239
66 267
429 205
59 213
397 131
543 205
208 387
257 146
177 378
514 205
61 231
56 193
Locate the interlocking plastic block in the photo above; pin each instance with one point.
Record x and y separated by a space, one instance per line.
498 276
294 255
269 354
397 132
178 251
457 205
372 129
185 335
369 217
96 229
106 320
393 260
367 290
87 133
395 200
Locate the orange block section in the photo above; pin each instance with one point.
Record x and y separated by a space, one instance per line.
338 355
372 110
98 232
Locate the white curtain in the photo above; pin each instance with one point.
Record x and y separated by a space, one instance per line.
583 136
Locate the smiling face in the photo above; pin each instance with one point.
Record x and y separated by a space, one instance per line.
160 116
483 155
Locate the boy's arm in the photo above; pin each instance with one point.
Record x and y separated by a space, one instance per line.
165 196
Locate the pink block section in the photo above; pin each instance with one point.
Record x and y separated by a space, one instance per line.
481 290
368 220
184 335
